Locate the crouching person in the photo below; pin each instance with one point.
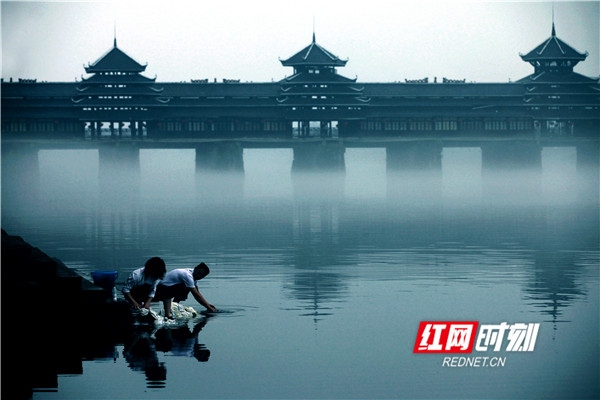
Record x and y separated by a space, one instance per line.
140 288
178 283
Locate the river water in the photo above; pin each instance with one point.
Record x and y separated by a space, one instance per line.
327 277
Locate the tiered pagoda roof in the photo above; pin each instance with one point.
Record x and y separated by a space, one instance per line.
116 82
316 86
553 61
115 60
553 49
313 55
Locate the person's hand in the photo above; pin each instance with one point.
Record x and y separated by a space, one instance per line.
211 308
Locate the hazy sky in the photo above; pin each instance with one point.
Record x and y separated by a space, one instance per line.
383 40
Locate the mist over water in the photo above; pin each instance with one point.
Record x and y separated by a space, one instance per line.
329 274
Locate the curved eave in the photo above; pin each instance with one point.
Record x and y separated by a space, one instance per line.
92 70
529 57
340 63
318 79
118 79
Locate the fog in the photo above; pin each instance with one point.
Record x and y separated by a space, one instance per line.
72 178
332 261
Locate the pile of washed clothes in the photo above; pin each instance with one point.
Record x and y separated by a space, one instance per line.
179 315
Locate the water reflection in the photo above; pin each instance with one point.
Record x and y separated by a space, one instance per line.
317 292
140 353
142 348
312 244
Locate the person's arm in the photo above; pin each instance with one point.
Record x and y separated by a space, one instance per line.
130 299
200 299
151 295
147 303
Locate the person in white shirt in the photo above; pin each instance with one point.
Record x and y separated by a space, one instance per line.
140 288
178 283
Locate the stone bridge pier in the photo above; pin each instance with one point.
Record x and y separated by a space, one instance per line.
20 172
414 172
220 156
319 156
588 171
119 170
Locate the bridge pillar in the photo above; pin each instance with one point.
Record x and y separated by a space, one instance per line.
414 156
225 156
119 170
414 172
94 134
588 171
588 155
20 173
512 172
324 156
511 155
220 172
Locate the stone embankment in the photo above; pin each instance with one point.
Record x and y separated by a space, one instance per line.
52 319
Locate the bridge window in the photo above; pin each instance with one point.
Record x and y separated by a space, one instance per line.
445 125
420 124
471 125
373 125
495 125
395 126
520 125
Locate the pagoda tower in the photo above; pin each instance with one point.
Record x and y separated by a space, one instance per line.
561 101
316 95
553 56
117 94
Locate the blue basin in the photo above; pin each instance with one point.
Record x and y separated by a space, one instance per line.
105 279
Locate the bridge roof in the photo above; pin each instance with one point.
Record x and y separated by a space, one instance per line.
313 54
115 60
442 89
118 79
323 77
549 77
41 89
186 89
553 48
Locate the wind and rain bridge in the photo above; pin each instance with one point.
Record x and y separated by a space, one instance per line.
316 111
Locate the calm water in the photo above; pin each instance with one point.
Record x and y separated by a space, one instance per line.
328 276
